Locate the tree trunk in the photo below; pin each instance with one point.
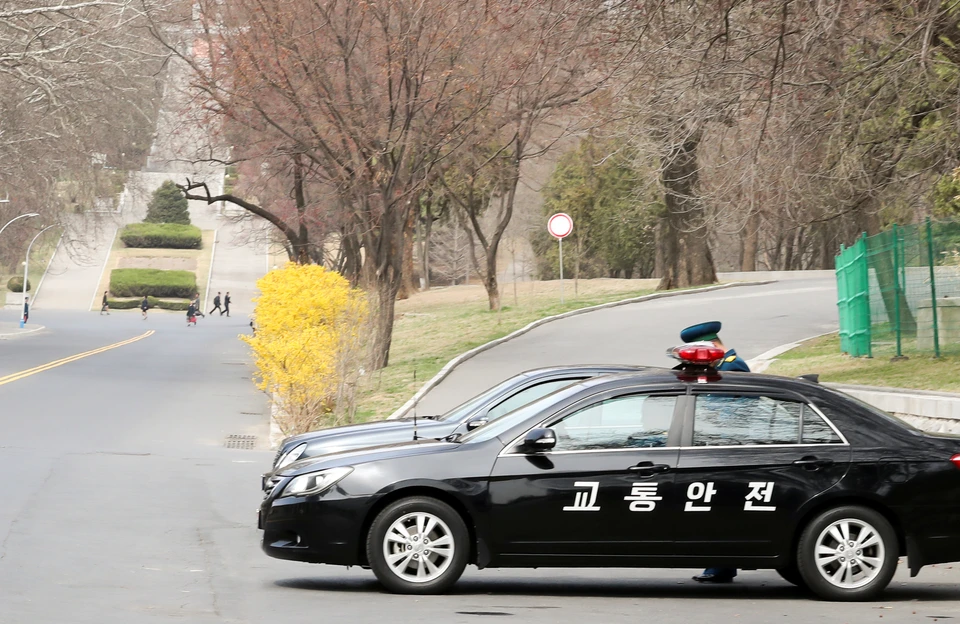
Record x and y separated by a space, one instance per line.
387 288
407 277
490 282
425 251
749 241
685 253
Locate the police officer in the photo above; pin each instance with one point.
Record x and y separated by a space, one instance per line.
710 332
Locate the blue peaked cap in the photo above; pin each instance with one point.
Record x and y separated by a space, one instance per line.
701 331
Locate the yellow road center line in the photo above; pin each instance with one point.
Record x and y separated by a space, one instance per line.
73 358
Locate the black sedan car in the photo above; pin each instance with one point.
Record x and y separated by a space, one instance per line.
659 468
487 406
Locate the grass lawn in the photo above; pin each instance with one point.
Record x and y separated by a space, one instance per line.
432 328
822 355
161 259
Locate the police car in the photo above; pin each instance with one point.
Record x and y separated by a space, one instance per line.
660 468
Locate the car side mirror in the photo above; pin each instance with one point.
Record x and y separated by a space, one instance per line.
538 440
477 423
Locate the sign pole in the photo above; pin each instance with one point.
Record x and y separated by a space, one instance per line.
560 225
560 242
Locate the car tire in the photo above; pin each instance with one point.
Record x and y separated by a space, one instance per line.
418 545
825 562
791 574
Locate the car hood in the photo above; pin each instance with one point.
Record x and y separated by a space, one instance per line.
368 454
345 440
359 428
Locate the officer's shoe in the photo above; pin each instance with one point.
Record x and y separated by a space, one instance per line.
710 576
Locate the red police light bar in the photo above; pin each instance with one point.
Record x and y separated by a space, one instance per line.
955 460
699 353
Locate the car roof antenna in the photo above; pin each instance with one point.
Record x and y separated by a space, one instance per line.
415 401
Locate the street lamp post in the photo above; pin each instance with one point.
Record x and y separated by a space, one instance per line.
26 270
23 216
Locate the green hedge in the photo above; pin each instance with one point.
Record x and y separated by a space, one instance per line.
152 282
163 235
163 304
15 284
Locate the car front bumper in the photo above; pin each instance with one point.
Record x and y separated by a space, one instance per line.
314 530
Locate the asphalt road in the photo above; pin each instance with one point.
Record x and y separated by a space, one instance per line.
119 504
755 319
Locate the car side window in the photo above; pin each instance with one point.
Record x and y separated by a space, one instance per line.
735 420
528 395
816 430
632 421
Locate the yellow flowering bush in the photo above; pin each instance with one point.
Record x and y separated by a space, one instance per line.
308 345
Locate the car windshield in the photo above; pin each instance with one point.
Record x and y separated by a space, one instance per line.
518 416
468 407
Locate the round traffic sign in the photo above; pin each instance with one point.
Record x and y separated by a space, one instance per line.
560 225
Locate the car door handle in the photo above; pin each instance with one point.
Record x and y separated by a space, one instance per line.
813 463
647 468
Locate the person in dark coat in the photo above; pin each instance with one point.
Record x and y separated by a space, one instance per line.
105 307
216 305
191 314
710 332
144 306
26 309
226 304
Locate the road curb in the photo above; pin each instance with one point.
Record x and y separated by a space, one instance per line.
765 359
463 357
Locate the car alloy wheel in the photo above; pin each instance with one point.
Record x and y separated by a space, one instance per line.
418 545
848 553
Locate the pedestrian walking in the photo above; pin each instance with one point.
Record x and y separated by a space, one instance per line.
216 304
26 309
710 332
144 306
196 306
191 314
105 307
226 304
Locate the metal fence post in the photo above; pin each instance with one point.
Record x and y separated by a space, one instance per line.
896 286
933 290
843 312
863 272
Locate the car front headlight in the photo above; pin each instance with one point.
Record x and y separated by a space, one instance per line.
315 482
291 456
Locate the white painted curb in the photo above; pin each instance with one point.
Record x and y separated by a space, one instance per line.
21 333
463 357
103 269
213 257
765 359
36 293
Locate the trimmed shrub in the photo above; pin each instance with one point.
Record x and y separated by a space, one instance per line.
168 205
163 304
162 235
15 284
152 282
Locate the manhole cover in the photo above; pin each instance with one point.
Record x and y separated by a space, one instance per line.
235 441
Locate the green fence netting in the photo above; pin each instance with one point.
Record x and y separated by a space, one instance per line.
898 292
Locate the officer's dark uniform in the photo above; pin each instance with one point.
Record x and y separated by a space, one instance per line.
731 362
